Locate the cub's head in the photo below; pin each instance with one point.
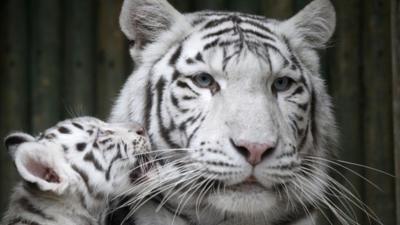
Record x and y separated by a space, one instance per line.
82 154
242 93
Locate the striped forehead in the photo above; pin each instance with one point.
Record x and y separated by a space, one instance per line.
231 39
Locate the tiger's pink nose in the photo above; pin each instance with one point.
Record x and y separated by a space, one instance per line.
253 152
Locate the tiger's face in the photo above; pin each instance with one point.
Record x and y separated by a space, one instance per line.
241 93
82 154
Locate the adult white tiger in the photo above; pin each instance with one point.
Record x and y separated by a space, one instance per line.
244 95
72 170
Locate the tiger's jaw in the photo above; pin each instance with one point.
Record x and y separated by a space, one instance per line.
243 198
244 202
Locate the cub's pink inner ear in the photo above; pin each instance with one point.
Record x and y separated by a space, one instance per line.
42 171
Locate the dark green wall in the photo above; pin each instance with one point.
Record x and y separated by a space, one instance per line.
62 58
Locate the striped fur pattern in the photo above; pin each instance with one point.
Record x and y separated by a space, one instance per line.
206 80
72 169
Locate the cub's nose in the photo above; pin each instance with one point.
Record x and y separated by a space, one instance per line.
253 152
134 127
137 128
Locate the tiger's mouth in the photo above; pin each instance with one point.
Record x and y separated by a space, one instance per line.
143 165
249 185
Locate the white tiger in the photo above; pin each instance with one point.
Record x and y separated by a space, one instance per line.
239 99
71 171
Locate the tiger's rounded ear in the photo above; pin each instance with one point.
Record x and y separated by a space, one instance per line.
142 21
14 140
313 26
42 165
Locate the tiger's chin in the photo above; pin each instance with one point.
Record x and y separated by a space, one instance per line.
245 199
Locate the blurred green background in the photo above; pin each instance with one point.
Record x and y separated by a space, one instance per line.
62 58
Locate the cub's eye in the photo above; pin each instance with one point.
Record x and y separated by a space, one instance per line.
282 84
203 80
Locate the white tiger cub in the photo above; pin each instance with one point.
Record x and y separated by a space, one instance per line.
244 96
71 171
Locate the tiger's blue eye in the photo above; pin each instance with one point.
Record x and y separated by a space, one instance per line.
203 80
282 84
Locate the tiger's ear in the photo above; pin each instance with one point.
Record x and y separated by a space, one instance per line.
42 165
14 140
142 21
313 26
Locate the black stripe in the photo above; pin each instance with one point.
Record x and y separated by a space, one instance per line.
268 55
299 90
64 130
303 106
190 61
197 21
65 148
110 147
175 56
164 132
184 85
211 44
116 157
105 141
89 157
148 105
196 118
231 42
81 146
29 207
194 132
84 177
258 25
258 18
174 101
258 34
270 46
21 220
313 120
215 23
77 125
299 118
175 75
217 33
188 97
199 57
304 138
191 119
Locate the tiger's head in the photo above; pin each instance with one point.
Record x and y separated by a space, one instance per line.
82 155
242 93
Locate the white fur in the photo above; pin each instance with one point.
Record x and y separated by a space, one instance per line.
245 108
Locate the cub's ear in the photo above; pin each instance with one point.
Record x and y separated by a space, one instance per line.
14 140
43 165
142 21
313 26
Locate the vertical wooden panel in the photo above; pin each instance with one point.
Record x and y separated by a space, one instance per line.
14 112
78 86
344 61
183 5
111 52
46 62
300 4
209 4
396 95
249 6
282 9
377 124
